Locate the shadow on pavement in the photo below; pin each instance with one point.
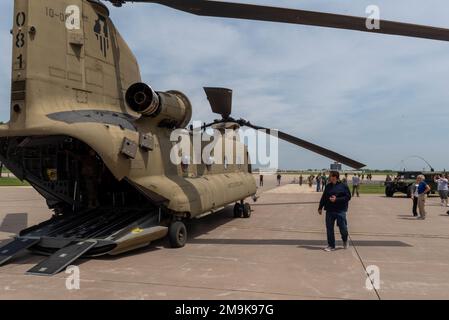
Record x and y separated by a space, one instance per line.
283 203
14 222
298 242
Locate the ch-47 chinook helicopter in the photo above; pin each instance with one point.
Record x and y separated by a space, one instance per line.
94 141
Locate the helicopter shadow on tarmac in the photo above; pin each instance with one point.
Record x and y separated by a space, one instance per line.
14 222
213 221
205 225
300 243
286 203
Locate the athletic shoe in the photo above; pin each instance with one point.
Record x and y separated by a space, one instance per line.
329 249
346 245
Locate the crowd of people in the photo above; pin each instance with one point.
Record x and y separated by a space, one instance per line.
322 179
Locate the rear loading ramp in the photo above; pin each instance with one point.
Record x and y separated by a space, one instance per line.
62 258
87 234
15 247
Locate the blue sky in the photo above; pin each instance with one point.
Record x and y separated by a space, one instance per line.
378 99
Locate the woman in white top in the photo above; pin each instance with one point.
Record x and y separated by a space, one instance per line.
415 196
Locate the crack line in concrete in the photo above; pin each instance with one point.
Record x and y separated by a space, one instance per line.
364 268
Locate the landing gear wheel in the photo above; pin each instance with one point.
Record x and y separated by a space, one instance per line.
238 210
177 234
246 210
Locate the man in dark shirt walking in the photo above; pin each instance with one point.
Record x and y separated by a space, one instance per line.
335 201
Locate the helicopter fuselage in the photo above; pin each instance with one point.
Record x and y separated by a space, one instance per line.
71 71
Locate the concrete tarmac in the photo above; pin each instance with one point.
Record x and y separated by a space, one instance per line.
276 254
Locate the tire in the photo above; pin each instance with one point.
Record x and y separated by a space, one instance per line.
246 210
409 192
389 193
238 210
177 234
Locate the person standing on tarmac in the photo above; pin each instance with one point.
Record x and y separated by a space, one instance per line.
443 189
423 189
310 180
345 179
318 183
414 196
335 201
356 185
323 182
279 177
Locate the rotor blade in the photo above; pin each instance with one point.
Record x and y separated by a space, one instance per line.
220 100
294 16
307 145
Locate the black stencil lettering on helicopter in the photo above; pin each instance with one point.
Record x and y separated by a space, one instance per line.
20 36
20 59
102 33
20 19
20 39
52 13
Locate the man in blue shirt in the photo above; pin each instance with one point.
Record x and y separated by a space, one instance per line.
423 189
335 201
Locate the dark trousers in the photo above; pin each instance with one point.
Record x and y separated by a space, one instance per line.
415 206
355 190
342 224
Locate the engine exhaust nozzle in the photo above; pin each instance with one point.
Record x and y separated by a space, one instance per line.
171 109
142 99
